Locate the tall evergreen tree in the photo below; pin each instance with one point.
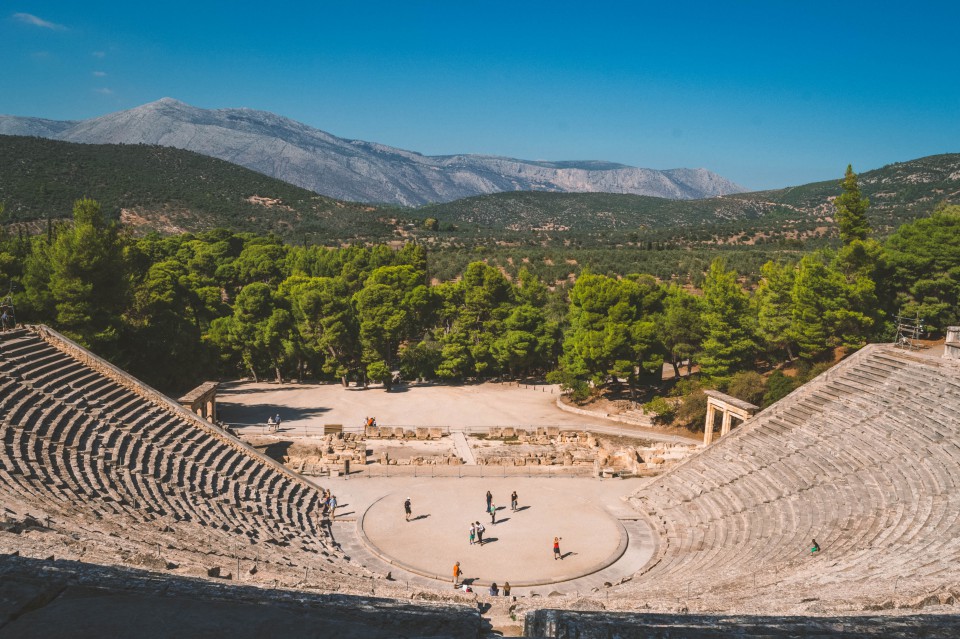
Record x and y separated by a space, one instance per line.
681 327
729 343
87 280
830 309
612 331
851 209
923 269
388 306
774 304
816 292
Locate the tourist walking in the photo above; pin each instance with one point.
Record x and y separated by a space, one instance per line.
333 507
513 504
556 549
480 530
473 534
456 574
489 500
407 508
493 513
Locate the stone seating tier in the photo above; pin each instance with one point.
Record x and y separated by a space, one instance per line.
863 459
94 450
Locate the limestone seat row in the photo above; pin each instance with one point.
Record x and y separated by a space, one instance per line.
864 458
82 445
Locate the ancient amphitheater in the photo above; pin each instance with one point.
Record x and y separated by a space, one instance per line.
126 515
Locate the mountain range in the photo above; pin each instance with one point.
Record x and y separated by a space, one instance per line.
152 187
356 170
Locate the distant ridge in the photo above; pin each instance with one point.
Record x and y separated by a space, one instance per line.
169 190
357 170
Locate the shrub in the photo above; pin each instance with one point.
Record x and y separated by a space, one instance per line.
663 408
693 410
578 390
809 373
378 371
778 387
748 386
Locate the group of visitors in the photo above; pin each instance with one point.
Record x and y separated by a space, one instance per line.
328 506
494 589
273 423
476 533
476 537
491 509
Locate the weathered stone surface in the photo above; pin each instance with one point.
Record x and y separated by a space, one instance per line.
88 601
557 624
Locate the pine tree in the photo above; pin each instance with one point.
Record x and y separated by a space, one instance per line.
681 327
774 302
851 209
815 294
729 342
87 276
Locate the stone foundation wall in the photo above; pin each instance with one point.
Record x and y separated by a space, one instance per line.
334 451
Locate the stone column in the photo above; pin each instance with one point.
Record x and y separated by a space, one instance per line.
708 427
211 410
725 429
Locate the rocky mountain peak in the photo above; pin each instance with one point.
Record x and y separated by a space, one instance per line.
354 169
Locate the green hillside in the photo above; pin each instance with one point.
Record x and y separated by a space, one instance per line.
170 190
898 193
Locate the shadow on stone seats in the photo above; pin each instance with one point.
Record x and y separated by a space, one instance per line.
277 450
104 601
563 623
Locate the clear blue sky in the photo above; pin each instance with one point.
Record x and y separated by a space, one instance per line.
767 94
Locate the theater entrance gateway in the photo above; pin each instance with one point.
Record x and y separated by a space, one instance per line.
730 407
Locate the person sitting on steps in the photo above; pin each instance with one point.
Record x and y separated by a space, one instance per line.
814 547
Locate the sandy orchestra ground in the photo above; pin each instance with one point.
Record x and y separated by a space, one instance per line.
309 406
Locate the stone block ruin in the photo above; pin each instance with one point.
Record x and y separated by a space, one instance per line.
334 453
550 446
545 446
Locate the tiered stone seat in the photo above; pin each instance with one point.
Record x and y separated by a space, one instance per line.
85 444
863 458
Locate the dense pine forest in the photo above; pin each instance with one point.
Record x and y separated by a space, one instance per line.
177 309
